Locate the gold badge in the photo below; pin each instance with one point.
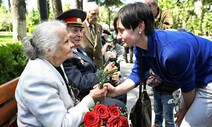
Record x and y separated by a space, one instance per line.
98 30
79 20
81 60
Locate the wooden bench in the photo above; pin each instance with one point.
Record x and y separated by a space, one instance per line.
8 105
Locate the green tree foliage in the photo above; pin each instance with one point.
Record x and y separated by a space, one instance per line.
67 7
33 18
6 20
207 26
109 3
108 13
186 11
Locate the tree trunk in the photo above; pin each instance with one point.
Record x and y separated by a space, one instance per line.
9 4
43 8
79 4
202 17
19 19
57 7
201 21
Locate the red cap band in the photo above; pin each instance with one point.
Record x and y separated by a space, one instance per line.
73 20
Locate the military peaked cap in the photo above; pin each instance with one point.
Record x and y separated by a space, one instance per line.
73 17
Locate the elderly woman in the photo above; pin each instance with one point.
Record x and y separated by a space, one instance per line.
42 95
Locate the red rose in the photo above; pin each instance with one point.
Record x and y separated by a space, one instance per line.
124 121
92 119
114 111
114 122
102 111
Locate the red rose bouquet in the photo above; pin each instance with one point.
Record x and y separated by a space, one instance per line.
102 115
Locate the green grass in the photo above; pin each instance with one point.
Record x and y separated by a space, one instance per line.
6 37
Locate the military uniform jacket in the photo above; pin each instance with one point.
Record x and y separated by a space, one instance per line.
163 20
93 46
81 72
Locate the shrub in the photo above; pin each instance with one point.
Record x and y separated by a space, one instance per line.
12 61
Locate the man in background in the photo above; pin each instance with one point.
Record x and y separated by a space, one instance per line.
91 41
181 27
163 18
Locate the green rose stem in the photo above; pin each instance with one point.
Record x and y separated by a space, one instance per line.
103 78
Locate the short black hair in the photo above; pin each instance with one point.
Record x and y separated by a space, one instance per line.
115 24
134 13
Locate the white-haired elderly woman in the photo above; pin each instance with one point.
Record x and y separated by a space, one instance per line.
42 95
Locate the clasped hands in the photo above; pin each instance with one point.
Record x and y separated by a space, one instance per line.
100 94
99 91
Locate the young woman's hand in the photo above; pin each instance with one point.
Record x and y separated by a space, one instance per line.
180 115
111 90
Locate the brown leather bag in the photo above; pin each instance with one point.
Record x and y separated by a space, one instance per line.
141 113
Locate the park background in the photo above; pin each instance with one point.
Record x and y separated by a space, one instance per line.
19 18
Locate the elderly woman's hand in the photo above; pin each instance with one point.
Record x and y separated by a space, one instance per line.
98 94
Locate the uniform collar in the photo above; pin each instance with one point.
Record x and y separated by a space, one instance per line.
158 16
74 49
88 24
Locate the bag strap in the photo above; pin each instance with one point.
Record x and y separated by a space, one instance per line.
141 75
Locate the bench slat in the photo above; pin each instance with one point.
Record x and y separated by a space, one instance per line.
13 123
8 111
7 90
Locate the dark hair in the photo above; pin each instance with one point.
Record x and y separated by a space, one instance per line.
134 13
115 24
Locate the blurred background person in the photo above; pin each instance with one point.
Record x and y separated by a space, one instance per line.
163 18
130 51
181 27
91 41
